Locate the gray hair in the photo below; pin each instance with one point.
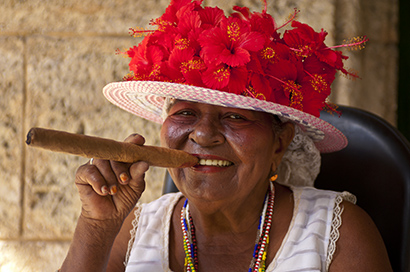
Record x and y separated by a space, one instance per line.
300 164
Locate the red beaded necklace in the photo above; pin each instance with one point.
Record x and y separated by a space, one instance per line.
258 263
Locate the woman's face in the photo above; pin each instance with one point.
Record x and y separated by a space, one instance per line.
237 149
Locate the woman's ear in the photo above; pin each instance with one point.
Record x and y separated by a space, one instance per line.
283 140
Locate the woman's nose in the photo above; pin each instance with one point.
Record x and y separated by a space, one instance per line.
207 132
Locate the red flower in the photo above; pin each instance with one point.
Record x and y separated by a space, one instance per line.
230 43
211 17
306 42
171 13
217 77
259 88
285 76
145 61
260 22
312 104
185 66
223 77
321 75
187 32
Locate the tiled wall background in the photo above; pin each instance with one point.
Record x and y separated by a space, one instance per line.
56 56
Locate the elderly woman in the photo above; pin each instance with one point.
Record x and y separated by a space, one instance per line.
245 101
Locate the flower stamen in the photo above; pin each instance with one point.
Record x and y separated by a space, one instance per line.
291 18
138 32
269 54
295 94
318 83
182 43
250 91
233 31
221 74
355 43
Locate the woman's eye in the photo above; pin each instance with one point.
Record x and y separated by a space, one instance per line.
236 117
185 113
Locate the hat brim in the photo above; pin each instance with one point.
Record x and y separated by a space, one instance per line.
146 98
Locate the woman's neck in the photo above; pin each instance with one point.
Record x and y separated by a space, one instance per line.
234 217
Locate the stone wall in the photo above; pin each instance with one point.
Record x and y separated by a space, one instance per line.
56 56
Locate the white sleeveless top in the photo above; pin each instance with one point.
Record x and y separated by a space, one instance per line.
309 244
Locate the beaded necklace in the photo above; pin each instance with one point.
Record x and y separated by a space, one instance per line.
258 263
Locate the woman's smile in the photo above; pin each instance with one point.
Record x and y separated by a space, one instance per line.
212 160
211 164
218 163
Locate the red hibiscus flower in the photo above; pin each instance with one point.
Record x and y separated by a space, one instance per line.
185 66
260 22
211 17
224 77
230 43
171 13
145 61
321 75
306 42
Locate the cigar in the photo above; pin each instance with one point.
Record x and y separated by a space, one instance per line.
107 149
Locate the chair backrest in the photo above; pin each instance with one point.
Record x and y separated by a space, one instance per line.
375 166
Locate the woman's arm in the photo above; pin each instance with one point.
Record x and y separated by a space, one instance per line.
360 246
109 192
120 246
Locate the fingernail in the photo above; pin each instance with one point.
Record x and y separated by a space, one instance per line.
104 190
123 177
113 190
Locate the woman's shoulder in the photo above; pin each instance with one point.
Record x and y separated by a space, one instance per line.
358 243
360 246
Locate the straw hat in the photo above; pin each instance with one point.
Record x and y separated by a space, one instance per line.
198 54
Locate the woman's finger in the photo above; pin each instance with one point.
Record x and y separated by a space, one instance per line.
88 176
121 170
135 139
106 171
105 176
137 177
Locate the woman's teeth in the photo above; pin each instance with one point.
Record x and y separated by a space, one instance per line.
220 163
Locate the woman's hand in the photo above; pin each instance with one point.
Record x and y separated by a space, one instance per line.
109 190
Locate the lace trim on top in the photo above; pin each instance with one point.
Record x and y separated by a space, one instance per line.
137 213
336 223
